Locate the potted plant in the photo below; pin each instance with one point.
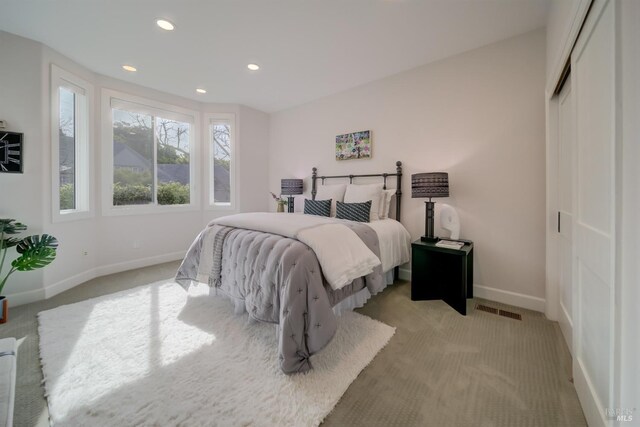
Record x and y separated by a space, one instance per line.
35 252
282 202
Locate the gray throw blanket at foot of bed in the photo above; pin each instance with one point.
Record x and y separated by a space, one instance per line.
278 279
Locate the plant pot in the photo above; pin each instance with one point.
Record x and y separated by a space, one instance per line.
4 309
280 207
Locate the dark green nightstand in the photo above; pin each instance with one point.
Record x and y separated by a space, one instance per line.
442 273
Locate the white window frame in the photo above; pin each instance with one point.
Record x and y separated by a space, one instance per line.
154 108
83 152
210 119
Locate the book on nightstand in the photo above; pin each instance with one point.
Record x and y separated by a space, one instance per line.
449 244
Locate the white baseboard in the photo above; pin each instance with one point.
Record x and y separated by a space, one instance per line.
566 326
508 297
591 406
139 263
20 298
68 283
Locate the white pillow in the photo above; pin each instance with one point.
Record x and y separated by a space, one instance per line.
364 193
385 203
333 192
298 203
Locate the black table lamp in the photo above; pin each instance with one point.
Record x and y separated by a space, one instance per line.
290 187
431 184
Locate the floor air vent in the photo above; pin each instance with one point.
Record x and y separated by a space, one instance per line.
494 310
486 308
510 314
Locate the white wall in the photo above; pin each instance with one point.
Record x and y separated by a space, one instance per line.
478 116
20 106
253 131
108 241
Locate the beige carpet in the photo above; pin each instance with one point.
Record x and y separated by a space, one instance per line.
440 369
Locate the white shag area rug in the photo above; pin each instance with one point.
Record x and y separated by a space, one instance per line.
157 356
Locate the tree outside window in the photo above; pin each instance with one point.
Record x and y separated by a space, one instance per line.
151 160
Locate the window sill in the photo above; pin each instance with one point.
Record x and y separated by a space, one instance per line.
148 210
221 208
71 215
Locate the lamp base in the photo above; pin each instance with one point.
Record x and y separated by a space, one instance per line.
428 223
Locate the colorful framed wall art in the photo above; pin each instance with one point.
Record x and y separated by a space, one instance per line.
356 145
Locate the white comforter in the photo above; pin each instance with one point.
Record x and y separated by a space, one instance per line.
340 252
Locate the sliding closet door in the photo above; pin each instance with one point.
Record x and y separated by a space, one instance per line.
593 74
565 211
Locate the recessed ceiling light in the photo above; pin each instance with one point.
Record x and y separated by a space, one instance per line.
165 25
201 90
129 68
253 67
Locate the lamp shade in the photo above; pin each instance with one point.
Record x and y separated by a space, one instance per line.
290 186
431 184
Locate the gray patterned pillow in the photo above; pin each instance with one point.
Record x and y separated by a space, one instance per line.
317 207
353 211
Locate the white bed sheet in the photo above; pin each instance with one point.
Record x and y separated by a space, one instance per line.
395 242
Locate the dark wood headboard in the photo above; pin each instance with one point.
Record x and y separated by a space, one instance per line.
384 176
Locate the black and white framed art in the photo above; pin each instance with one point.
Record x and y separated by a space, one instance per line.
10 152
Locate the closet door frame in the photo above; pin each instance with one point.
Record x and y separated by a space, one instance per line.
624 342
596 344
552 284
566 211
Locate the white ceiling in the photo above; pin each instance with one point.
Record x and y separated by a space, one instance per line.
307 48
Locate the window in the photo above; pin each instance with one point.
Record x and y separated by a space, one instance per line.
221 161
150 151
70 106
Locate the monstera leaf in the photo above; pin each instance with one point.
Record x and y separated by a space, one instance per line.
9 242
34 258
36 252
36 242
9 226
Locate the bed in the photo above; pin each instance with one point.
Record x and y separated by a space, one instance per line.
300 271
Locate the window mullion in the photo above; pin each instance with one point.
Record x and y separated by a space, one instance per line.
154 188
82 177
76 154
212 179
